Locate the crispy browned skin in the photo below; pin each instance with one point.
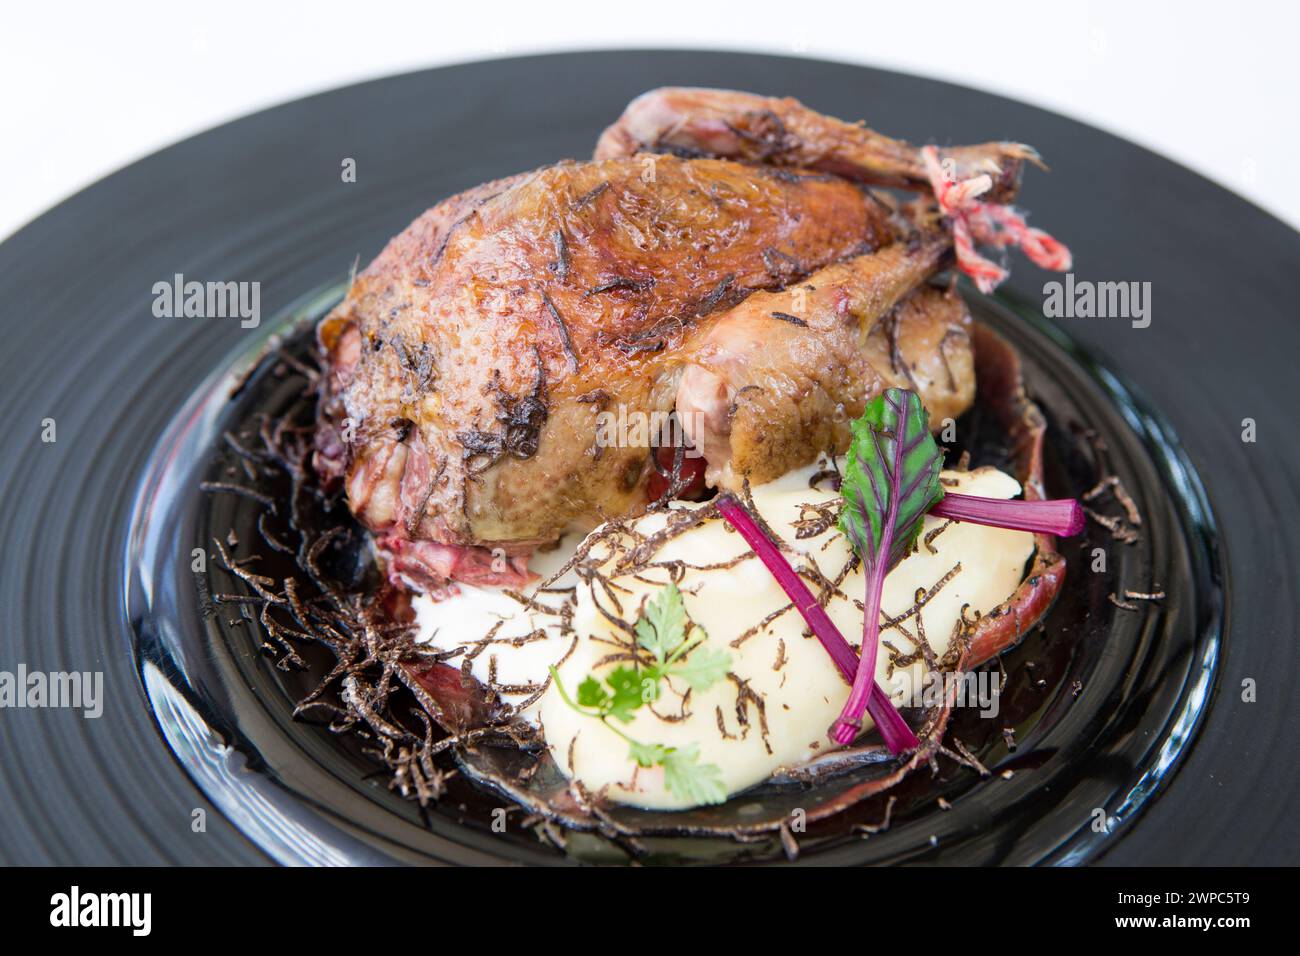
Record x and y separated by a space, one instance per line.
777 380
489 335
784 132
340 333
764 296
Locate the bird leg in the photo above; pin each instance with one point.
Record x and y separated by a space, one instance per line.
784 132
776 380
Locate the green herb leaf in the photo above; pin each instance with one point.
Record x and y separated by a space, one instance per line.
661 628
702 667
629 693
664 631
686 777
591 694
647 755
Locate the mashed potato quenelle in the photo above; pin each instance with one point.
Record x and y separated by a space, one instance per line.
782 691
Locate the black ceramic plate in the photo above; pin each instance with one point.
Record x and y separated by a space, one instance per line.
1140 715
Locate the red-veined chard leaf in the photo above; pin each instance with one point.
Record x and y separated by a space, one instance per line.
891 478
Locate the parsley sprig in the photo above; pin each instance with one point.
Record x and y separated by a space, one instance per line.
673 643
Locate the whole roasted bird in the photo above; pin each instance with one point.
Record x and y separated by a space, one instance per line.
721 258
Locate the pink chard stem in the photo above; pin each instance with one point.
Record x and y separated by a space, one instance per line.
897 735
849 724
1063 517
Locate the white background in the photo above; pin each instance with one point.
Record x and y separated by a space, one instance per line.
87 89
